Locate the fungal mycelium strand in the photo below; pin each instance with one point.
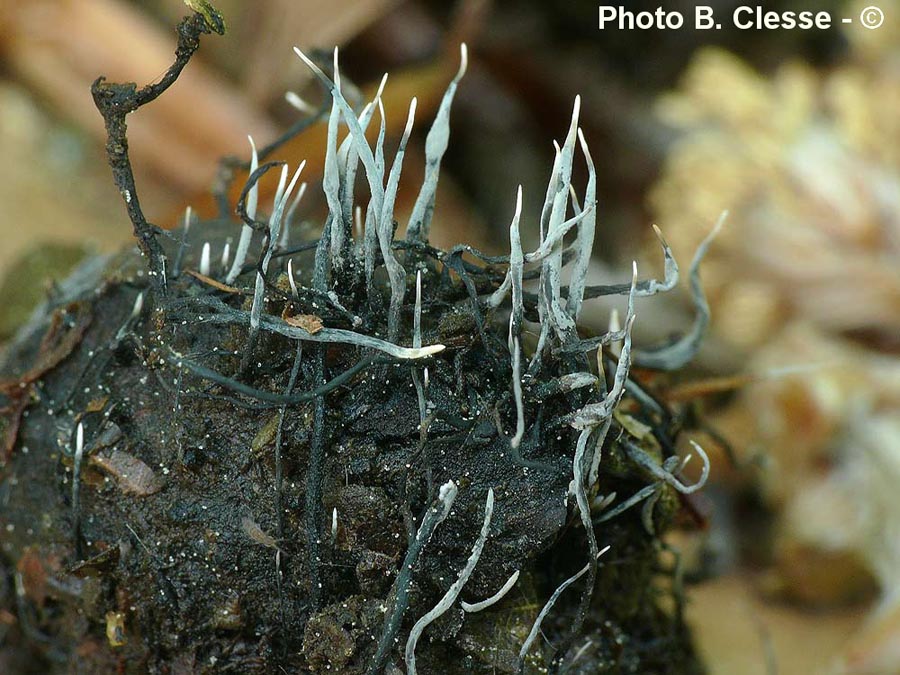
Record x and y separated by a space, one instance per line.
374 397
453 592
494 599
240 254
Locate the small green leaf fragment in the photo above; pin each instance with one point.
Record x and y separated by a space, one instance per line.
266 435
213 17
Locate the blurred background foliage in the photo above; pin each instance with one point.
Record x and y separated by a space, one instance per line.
797 133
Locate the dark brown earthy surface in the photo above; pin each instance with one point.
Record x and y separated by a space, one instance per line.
179 530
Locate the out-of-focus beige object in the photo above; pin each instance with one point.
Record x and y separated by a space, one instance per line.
266 66
271 67
875 650
59 47
53 184
805 283
809 167
878 45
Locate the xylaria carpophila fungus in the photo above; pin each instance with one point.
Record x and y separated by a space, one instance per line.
411 452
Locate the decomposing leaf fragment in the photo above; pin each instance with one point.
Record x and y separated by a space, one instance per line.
131 474
257 534
311 323
115 629
265 435
209 281
210 14
96 405
634 427
99 565
58 342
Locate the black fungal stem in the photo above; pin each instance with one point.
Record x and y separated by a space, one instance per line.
436 513
115 101
314 474
279 468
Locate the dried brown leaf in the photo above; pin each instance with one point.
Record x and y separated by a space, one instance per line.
209 281
309 322
257 534
131 474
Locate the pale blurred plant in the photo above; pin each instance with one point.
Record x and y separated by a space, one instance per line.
810 167
806 275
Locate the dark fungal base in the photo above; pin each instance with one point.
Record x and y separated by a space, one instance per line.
255 496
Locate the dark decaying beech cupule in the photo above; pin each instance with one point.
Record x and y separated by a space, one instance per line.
358 454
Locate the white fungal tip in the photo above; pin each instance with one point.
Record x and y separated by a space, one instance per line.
204 260
703 456
226 254
253 195
409 121
337 71
381 86
659 235
428 351
494 599
463 61
291 281
290 188
138 305
719 223
188 216
79 441
254 159
447 492
279 192
309 63
296 101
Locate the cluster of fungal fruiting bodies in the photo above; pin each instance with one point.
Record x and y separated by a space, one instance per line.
485 446
342 258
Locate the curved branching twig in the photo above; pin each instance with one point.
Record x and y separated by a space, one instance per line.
115 102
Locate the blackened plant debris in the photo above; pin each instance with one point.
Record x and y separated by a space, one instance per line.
116 101
441 486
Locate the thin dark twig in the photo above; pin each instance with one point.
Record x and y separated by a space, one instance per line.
252 180
228 166
279 468
271 397
313 502
115 101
